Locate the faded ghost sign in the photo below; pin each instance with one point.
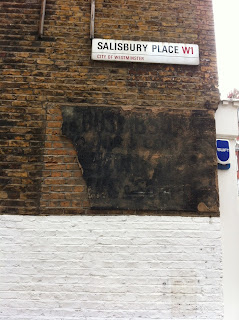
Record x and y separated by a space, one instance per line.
145 160
142 51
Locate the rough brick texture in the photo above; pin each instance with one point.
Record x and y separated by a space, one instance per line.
121 268
39 169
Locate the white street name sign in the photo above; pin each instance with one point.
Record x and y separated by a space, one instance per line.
144 51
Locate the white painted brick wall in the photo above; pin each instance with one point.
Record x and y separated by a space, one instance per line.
116 267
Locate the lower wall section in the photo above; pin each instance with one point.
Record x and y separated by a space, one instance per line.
114 267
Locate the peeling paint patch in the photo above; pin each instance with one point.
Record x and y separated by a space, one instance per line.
143 160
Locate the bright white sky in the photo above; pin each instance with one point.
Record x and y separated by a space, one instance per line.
226 15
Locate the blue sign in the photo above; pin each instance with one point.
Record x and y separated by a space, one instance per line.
223 154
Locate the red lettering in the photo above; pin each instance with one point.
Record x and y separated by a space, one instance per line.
186 49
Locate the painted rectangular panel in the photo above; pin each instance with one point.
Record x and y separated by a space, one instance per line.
145 160
144 51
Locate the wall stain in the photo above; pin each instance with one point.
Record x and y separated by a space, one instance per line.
144 160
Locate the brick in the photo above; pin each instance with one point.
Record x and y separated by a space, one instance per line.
134 267
3 195
40 75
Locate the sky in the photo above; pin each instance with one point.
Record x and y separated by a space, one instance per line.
226 18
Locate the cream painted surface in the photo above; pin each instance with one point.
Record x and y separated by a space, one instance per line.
110 267
226 119
227 128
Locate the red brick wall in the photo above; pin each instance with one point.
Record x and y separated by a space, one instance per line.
63 188
39 168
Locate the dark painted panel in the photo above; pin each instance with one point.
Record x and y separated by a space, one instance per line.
144 159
